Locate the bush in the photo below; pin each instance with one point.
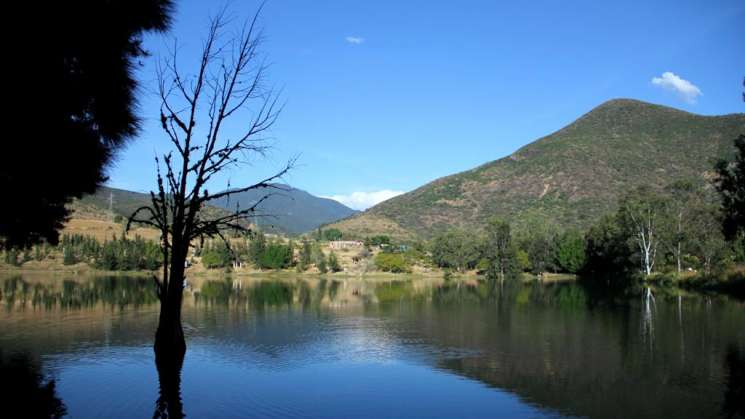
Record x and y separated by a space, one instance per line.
392 262
321 265
377 240
334 263
570 252
216 255
332 234
275 256
11 257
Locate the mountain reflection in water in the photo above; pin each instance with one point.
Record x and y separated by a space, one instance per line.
310 347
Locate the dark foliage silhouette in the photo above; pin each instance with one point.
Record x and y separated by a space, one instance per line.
23 391
73 96
731 186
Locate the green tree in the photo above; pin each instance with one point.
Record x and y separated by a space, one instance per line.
392 262
332 234
607 247
730 184
570 251
541 252
685 195
738 248
499 250
321 265
211 260
455 249
276 256
377 240
11 256
709 245
256 248
304 258
334 265
522 259
642 215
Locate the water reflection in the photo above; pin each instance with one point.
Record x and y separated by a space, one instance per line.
68 293
734 396
168 404
571 349
24 391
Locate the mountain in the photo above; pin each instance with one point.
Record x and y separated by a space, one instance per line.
108 202
570 177
291 210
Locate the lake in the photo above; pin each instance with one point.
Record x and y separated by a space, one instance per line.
294 347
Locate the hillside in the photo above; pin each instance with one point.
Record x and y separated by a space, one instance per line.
293 210
570 177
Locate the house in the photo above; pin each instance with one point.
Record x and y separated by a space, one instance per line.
344 244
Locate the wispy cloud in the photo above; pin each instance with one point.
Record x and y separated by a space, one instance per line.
365 200
354 40
687 91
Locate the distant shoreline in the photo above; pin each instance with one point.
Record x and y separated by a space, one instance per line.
82 269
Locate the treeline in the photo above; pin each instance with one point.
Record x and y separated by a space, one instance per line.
264 253
671 230
674 230
497 252
117 254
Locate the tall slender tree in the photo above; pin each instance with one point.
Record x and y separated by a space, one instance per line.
685 197
641 213
229 83
498 249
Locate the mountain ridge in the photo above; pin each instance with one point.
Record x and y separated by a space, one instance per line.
551 179
292 210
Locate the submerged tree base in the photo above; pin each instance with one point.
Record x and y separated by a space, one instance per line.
169 364
169 340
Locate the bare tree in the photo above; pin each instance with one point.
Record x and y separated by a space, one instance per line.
642 213
229 82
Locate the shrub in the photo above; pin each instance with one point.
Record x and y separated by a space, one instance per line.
275 256
334 263
392 262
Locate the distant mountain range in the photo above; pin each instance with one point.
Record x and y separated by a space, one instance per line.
570 178
288 211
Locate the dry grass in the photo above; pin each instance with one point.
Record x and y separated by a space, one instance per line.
105 230
365 225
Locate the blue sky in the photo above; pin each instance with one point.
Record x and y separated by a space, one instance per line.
385 96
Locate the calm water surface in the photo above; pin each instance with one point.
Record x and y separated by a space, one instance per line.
329 349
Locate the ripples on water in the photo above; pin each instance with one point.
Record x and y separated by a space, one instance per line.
316 348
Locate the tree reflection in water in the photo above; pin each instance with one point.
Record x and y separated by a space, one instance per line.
575 347
169 404
734 396
23 391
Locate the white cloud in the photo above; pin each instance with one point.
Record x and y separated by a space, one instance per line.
354 40
687 91
365 200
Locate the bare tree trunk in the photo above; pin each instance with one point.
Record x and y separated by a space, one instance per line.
169 338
